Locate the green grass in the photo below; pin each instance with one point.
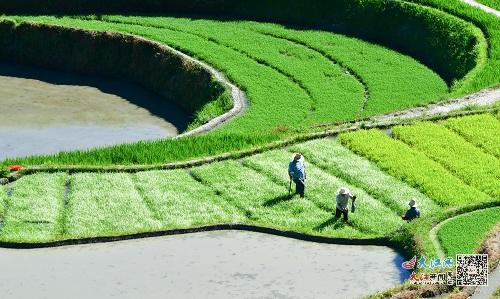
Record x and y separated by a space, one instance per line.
267 204
293 79
3 202
412 167
331 156
106 205
464 234
34 211
480 130
178 201
488 72
461 158
491 3
371 217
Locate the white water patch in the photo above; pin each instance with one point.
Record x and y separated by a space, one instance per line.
223 264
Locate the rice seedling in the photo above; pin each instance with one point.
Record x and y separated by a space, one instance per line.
106 204
178 201
34 211
465 233
331 156
464 160
371 216
267 204
391 83
480 130
413 167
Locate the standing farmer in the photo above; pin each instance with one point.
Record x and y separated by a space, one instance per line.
342 200
297 173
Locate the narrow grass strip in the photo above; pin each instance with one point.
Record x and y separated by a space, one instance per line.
34 209
331 156
179 201
461 158
464 234
412 167
103 204
268 204
481 130
371 216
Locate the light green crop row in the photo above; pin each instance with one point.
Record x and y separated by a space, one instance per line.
331 156
412 167
35 209
178 201
482 130
461 158
267 204
370 217
464 234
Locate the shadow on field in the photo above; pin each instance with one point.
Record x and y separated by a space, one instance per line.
277 200
155 104
336 222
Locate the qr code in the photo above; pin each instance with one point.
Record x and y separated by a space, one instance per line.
472 270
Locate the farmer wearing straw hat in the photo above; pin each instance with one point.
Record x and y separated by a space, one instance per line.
297 173
342 199
413 212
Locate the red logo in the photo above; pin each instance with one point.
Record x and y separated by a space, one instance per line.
409 264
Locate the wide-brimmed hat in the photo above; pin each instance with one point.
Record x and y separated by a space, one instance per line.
343 191
412 203
297 157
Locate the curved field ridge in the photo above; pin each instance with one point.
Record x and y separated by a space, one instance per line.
176 77
465 233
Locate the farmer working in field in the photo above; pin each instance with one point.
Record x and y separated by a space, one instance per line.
413 212
297 173
342 201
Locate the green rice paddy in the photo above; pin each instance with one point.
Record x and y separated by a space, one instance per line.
465 233
383 172
295 78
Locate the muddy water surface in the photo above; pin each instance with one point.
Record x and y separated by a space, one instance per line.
226 264
45 112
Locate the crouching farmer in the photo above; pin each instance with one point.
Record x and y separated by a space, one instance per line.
342 200
413 212
297 173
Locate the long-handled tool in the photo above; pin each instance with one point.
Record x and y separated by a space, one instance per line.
290 187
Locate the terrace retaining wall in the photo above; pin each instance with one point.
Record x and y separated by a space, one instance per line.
114 55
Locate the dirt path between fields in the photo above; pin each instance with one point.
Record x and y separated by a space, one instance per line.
482 98
220 264
482 7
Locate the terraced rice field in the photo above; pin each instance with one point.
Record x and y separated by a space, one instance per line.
309 77
384 172
466 232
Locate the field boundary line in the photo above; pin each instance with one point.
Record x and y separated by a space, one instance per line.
348 127
433 233
342 65
380 241
244 53
482 7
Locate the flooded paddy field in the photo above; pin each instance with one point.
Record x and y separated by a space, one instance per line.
44 112
224 264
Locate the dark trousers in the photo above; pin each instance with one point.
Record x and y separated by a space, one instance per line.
339 212
300 187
